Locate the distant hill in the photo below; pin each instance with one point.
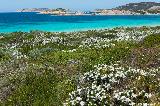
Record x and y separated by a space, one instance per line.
33 9
142 6
131 8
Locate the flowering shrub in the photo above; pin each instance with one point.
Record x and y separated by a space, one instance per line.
103 86
130 97
68 53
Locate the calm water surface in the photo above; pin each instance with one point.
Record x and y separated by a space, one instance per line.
11 22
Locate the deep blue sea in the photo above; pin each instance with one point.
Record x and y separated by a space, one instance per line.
11 22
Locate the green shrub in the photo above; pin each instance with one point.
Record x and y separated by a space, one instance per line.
151 40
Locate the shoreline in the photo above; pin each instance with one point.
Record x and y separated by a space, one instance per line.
85 30
85 14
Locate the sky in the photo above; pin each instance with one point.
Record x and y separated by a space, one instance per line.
13 5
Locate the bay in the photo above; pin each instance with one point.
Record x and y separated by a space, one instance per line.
16 21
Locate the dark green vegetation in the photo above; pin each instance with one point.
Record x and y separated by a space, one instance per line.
142 7
41 68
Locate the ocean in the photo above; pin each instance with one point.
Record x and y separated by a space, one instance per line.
12 22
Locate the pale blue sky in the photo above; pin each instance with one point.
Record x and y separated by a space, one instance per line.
13 5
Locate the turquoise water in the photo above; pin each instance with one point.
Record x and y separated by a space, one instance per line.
11 22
